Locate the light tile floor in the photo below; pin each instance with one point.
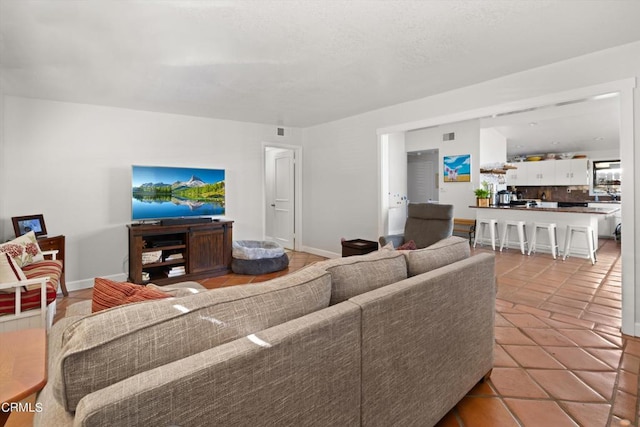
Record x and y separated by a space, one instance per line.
560 359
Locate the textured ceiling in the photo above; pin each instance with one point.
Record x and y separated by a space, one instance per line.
290 63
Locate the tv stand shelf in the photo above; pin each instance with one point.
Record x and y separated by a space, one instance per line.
204 250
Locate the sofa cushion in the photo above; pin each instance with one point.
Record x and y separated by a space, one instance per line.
24 249
109 346
354 275
109 294
441 253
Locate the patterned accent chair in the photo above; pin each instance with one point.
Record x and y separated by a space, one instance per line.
31 303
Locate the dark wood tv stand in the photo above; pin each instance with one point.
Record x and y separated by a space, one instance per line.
200 250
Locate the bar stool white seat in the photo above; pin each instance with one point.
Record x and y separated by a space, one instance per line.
589 235
522 235
553 237
481 226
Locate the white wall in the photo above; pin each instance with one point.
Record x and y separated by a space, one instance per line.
493 147
72 163
467 137
340 185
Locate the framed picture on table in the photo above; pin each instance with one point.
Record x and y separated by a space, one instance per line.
24 224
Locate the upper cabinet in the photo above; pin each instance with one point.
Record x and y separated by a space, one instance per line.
572 172
518 176
541 173
550 172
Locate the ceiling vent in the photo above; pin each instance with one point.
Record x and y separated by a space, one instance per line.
280 132
448 136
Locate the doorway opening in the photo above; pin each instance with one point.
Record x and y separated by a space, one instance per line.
422 176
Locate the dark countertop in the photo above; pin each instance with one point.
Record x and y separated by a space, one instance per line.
574 210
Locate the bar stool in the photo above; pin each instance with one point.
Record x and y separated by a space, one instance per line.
522 235
553 237
493 231
590 237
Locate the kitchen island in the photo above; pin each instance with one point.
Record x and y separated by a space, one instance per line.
562 217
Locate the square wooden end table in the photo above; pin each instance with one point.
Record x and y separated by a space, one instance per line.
23 367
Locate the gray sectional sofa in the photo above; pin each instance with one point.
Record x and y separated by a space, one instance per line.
388 338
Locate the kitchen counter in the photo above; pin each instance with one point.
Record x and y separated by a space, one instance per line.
575 209
562 217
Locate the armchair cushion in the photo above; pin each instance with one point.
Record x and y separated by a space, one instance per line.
50 268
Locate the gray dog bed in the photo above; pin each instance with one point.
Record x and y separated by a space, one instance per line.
255 257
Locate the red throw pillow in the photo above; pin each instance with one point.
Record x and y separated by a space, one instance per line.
108 294
410 245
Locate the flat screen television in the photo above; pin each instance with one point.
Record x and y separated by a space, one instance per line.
159 192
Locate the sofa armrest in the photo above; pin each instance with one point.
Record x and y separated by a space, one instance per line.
430 329
303 372
396 239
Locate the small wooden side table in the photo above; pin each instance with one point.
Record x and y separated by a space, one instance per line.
23 366
358 247
56 243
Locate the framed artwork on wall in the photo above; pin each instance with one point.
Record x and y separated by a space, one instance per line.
457 168
24 224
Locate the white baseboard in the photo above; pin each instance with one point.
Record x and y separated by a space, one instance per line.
76 285
320 252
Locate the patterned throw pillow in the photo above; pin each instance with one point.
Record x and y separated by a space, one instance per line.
108 294
9 272
408 246
24 249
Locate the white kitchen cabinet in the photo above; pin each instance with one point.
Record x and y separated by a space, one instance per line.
541 173
518 176
572 172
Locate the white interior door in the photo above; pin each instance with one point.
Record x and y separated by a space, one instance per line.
282 202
